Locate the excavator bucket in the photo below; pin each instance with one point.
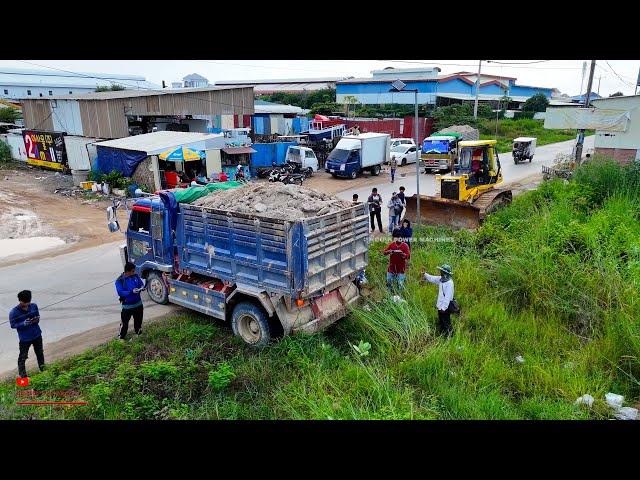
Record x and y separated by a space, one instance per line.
442 211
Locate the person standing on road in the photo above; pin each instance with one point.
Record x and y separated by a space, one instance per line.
399 253
395 208
403 199
375 209
394 166
25 318
445 296
129 285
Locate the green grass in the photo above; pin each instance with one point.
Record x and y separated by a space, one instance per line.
554 278
508 129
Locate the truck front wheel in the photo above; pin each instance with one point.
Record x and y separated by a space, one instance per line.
157 288
354 175
251 324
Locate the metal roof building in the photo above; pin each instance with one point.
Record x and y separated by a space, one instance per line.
106 114
290 85
19 83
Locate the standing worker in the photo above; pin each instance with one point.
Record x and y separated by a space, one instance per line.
403 199
355 198
375 209
399 253
395 209
394 166
129 285
445 297
25 318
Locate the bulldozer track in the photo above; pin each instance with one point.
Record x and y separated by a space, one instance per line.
487 199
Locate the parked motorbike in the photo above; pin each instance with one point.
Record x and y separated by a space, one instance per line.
285 177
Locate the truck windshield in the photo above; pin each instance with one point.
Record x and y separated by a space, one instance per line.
140 221
435 146
339 155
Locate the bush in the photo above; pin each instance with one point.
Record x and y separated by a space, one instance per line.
9 114
221 377
5 153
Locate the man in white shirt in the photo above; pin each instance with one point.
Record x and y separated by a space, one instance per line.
445 295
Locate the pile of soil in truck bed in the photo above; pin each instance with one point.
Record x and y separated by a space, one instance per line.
274 200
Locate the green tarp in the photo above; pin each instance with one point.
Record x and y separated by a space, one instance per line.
191 194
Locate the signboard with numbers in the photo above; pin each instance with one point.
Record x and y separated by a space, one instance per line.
45 149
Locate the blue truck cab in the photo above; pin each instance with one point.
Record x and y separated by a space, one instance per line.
264 275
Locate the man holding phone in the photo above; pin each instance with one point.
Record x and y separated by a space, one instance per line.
25 318
129 285
399 253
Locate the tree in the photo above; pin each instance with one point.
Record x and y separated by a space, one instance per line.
537 103
9 114
328 108
110 88
617 94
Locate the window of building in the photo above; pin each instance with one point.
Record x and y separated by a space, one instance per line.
28 92
50 92
70 92
40 94
6 92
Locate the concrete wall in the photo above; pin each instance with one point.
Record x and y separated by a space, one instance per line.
144 173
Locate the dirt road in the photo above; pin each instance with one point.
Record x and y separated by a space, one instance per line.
52 223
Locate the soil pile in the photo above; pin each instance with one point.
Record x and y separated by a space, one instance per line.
289 202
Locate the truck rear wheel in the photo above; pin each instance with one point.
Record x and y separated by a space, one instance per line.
157 289
375 170
251 324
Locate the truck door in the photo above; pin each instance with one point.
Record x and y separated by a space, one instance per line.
157 235
139 243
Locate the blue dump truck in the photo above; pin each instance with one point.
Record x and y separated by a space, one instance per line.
266 276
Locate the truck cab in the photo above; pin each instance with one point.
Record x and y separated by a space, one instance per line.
439 152
303 156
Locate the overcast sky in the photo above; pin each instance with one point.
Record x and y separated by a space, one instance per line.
566 75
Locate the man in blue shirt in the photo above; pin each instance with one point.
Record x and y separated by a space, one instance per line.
25 317
129 285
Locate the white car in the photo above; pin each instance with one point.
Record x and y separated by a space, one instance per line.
402 141
404 154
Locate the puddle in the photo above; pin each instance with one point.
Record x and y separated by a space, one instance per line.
25 246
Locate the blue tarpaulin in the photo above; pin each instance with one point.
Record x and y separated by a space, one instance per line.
123 161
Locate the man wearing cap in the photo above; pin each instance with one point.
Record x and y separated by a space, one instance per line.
445 295
399 253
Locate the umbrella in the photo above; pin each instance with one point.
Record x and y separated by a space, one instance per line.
181 154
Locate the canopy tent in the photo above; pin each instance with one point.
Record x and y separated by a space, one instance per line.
587 118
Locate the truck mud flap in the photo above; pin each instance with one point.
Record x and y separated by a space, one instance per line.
442 211
329 308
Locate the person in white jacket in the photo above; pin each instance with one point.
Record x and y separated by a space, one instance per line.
445 295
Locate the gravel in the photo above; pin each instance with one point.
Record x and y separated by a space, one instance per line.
289 202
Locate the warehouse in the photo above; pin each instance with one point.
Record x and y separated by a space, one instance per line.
273 118
117 114
22 83
290 85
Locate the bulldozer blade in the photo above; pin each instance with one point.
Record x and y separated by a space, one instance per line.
442 211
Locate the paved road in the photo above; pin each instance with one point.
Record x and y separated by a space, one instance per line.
56 279
544 155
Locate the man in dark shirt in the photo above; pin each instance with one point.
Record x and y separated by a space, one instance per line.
375 209
399 253
25 317
402 198
129 285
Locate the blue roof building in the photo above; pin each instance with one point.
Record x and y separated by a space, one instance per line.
432 88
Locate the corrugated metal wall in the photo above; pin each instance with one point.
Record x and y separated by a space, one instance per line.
66 117
37 115
78 156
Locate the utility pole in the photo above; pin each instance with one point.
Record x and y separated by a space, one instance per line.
599 78
580 142
418 149
584 72
475 105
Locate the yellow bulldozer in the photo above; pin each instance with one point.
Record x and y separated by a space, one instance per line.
467 194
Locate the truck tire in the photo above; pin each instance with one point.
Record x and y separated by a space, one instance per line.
251 324
157 289
334 175
354 175
375 170
530 158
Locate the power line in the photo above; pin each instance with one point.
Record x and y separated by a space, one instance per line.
470 65
616 74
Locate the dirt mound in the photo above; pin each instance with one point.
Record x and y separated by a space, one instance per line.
289 202
467 132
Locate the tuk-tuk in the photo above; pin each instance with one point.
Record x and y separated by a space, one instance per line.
523 149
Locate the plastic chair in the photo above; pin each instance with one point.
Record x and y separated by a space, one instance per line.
172 179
